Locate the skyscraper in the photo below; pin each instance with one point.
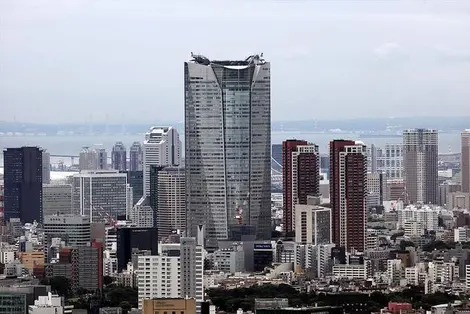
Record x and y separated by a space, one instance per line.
88 159
171 201
102 156
348 193
46 167
420 158
162 147
301 177
135 157
465 161
23 184
119 156
228 147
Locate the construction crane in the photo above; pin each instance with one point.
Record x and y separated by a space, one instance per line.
239 210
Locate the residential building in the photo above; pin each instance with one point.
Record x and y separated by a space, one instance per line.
316 259
348 193
135 157
171 201
23 184
162 147
420 157
228 147
390 161
176 272
100 194
462 234
88 159
426 216
56 199
301 177
394 271
465 161
313 224
119 157
352 271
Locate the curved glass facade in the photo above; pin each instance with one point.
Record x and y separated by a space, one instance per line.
228 148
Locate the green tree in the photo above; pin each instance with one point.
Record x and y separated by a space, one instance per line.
60 285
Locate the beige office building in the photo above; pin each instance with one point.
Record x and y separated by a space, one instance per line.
169 306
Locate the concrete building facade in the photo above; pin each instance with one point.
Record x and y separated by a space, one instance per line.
228 147
100 194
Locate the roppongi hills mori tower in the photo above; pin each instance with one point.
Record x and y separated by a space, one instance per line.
228 147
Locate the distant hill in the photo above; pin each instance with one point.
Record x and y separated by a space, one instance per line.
445 124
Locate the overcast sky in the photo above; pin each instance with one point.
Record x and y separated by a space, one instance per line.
67 61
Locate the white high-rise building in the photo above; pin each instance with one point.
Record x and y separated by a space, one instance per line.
420 159
100 194
88 159
228 147
177 272
313 224
162 147
427 217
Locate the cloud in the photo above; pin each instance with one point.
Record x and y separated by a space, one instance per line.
453 55
389 51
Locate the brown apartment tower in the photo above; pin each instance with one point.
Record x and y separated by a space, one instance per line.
301 177
348 193
420 159
465 161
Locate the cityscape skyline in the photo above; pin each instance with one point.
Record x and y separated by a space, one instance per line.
379 70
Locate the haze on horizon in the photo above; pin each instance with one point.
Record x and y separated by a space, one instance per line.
122 60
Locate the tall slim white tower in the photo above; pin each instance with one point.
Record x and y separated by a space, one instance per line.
162 147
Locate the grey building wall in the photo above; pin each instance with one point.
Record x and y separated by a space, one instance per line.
228 146
56 199
420 158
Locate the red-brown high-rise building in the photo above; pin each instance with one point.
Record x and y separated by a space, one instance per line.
348 193
301 177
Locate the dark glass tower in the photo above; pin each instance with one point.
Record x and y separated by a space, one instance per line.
23 184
